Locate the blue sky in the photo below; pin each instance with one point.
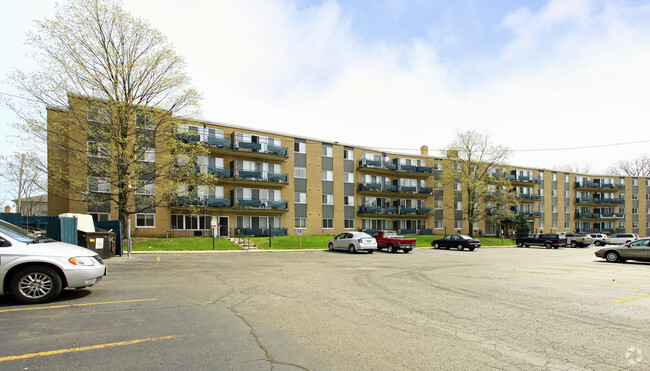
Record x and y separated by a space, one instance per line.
400 74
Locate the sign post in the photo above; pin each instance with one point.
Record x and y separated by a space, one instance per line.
213 225
300 238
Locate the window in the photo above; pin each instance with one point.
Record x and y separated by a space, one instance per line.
566 209
300 172
554 177
567 225
144 188
437 224
147 155
301 223
541 224
437 186
98 114
437 164
554 209
348 154
97 184
566 194
98 149
458 224
300 198
566 179
541 208
348 223
328 199
327 151
100 217
553 192
145 121
457 186
554 224
437 204
349 201
621 210
328 175
635 210
647 210
328 223
348 177
457 167
458 205
635 182
300 147
635 196
145 220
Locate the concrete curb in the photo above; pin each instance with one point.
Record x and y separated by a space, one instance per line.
273 250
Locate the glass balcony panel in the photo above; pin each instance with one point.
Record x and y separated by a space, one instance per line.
277 150
219 142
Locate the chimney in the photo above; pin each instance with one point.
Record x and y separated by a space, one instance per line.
8 209
424 150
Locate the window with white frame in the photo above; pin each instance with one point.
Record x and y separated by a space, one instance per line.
100 217
437 164
300 198
300 147
300 223
458 224
567 224
635 196
458 205
348 200
145 220
437 224
328 223
348 223
554 224
97 184
437 186
635 224
541 208
328 199
437 204
348 177
554 177
541 224
635 182
328 175
98 114
300 172
567 209
635 210
147 155
348 154
98 149
566 179
553 192
327 151
566 194
144 187
145 121
457 186
554 209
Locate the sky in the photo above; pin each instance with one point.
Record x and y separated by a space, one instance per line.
560 82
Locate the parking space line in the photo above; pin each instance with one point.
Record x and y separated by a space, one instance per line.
81 349
630 299
73 305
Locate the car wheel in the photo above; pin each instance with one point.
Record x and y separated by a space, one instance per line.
352 249
447 247
597 243
556 247
371 251
436 246
612 256
460 247
406 251
574 244
36 284
527 245
390 248
470 248
330 247
548 245
519 244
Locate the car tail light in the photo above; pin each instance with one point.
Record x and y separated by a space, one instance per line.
360 240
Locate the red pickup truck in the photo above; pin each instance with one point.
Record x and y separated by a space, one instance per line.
392 242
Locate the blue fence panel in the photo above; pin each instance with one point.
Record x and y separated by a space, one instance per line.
69 230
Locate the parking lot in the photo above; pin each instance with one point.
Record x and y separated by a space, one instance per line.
505 308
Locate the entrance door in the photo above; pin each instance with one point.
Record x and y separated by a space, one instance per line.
223 226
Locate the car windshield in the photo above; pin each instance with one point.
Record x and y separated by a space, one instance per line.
466 237
390 234
16 233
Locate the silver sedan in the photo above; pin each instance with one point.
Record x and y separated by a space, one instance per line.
353 242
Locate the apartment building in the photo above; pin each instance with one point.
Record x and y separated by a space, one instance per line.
287 185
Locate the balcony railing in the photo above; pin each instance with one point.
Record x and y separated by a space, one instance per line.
188 137
220 172
219 202
249 145
249 203
405 189
277 204
249 174
219 142
408 210
426 190
277 150
582 200
277 177
390 188
370 187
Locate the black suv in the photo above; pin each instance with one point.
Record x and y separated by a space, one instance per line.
548 240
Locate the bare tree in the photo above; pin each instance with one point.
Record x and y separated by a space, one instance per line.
112 85
24 175
480 168
639 166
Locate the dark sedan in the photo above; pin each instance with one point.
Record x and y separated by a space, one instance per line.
458 241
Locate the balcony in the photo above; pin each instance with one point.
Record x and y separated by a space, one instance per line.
529 197
219 142
612 216
587 216
219 202
277 177
426 190
223 173
249 203
584 200
408 210
424 210
416 169
375 187
391 210
404 189
249 145
390 188
191 138
277 204
370 210
249 174
594 185
277 150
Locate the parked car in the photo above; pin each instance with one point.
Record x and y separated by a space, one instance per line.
600 239
458 241
390 241
353 242
578 239
634 250
548 240
35 270
621 238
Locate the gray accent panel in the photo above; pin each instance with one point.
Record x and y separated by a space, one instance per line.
301 210
348 189
458 215
437 175
554 185
437 195
348 166
300 185
328 163
328 188
348 212
554 217
328 211
438 214
300 160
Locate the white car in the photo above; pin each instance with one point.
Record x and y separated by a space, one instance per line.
35 270
621 238
353 242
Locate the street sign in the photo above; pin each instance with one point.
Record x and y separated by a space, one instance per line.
300 232
213 223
